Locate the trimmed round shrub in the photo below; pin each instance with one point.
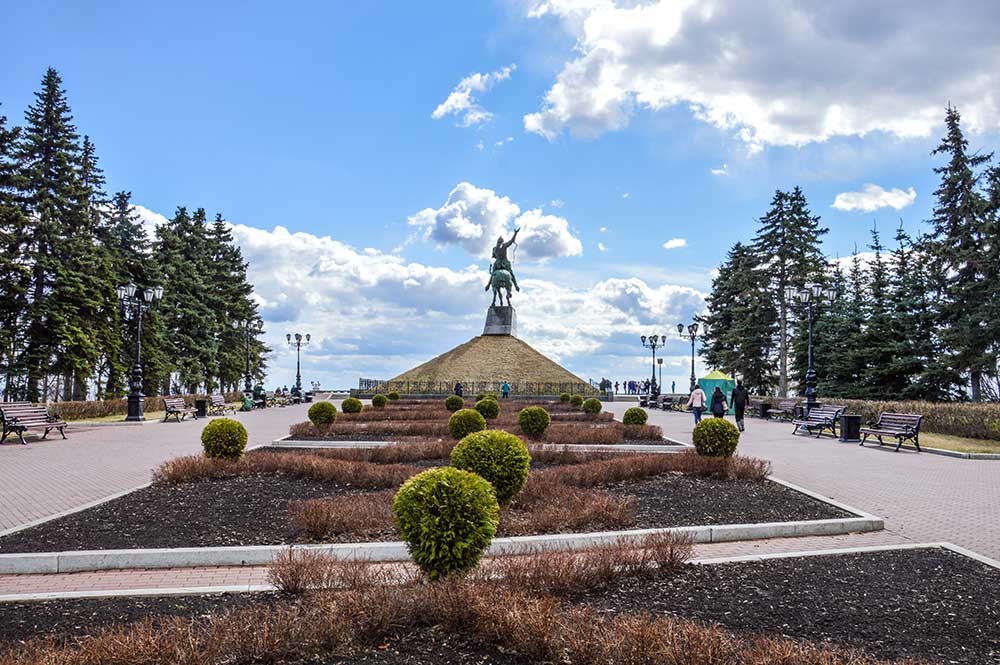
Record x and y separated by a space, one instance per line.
635 416
534 420
379 401
351 405
454 403
393 396
592 406
499 457
481 396
576 400
224 438
490 408
448 518
715 437
564 397
322 414
464 422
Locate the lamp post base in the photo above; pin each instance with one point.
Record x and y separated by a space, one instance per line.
136 408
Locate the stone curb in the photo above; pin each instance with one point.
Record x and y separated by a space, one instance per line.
286 442
137 593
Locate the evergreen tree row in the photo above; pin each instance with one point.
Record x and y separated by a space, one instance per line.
919 321
65 246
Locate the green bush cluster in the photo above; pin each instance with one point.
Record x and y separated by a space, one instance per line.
322 414
224 438
351 405
464 422
499 457
490 408
534 420
448 518
393 396
481 396
454 403
379 401
576 400
592 406
564 397
635 416
715 437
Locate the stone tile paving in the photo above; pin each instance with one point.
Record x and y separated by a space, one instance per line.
54 475
922 497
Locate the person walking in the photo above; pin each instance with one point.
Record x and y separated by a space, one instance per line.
741 398
673 387
616 387
697 402
719 406
505 390
458 388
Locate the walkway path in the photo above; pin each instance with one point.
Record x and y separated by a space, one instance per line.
922 497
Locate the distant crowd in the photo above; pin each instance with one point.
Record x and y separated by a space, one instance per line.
633 386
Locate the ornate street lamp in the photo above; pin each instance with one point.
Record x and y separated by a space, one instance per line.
653 342
659 361
136 301
251 328
298 342
810 296
692 334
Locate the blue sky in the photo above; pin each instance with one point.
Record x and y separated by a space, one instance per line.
651 121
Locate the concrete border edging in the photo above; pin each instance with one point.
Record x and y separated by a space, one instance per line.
287 442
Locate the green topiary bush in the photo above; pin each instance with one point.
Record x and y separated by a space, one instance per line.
635 416
490 408
592 406
464 422
534 420
481 396
322 414
351 405
564 397
224 438
448 518
576 400
499 457
393 396
454 403
715 437
379 401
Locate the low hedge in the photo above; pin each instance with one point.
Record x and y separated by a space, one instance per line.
973 421
100 408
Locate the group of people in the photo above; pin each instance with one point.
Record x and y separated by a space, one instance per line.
635 386
719 404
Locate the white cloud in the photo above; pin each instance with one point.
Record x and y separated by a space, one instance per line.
463 101
722 170
150 220
473 218
557 203
626 195
774 73
480 146
501 142
872 197
675 243
604 229
601 247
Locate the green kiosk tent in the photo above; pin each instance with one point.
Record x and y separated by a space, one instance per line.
725 383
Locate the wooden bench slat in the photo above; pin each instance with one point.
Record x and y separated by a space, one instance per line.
18 417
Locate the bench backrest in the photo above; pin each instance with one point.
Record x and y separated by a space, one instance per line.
824 412
787 405
24 412
217 400
174 403
899 421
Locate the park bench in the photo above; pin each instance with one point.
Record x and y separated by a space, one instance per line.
785 409
666 402
19 417
818 419
900 426
217 406
175 406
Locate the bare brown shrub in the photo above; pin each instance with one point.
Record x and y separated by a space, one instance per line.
552 507
360 515
579 433
749 468
394 454
643 432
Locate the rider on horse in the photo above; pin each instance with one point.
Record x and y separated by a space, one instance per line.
500 260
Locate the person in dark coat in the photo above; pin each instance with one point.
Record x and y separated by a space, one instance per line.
719 406
458 389
741 398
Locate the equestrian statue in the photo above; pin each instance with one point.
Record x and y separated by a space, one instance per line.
501 271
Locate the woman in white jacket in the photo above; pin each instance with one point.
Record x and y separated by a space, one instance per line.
697 402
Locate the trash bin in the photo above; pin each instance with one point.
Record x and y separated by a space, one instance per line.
850 427
201 407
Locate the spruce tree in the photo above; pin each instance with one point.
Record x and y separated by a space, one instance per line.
15 271
882 348
957 249
837 341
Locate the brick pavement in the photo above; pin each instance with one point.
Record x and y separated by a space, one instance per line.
922 497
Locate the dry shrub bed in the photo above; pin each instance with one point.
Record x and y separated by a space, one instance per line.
489 607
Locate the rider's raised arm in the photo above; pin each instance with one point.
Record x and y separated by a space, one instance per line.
512 239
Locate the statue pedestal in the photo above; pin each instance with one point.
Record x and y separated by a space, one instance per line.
501 321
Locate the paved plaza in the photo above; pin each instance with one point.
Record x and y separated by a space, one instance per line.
922 497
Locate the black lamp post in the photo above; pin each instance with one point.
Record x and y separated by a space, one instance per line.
810 296
251 328
653 342
137 302
298 341
659 361
692 334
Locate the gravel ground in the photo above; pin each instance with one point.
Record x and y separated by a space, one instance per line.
930 603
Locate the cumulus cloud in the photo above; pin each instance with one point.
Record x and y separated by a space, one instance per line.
473 218
675 243
601 247
463 102
557 203
771 73
722 170
150 220
872 197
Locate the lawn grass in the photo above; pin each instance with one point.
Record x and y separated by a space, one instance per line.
958 443
119 418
